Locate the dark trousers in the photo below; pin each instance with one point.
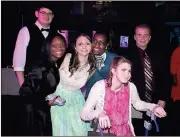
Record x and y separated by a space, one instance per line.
175 119
138 125
139 129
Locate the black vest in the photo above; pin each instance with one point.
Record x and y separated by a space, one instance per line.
35 44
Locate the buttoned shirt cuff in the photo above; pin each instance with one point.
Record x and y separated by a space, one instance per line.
18 68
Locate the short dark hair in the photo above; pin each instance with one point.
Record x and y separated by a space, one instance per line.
105 33
45 5
143 26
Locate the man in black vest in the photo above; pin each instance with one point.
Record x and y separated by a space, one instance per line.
30 40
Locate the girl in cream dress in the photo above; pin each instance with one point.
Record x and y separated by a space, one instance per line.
74 72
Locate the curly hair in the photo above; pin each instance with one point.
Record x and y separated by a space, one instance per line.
115 62
74 61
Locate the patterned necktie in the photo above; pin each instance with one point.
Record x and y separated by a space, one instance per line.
148 78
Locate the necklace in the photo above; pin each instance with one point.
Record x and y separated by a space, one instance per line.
81 67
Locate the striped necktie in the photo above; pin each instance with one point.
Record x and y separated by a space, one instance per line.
148 78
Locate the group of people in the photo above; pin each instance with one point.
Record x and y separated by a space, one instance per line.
44 66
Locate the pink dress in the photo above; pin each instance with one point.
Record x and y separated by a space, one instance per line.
116 106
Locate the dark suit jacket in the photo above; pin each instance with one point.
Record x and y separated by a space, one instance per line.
161 74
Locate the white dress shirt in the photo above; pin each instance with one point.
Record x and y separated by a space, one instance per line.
19 57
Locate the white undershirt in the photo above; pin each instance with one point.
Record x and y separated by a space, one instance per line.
23 38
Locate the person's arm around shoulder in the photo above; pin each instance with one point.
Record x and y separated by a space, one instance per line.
88 112
19 57
142 105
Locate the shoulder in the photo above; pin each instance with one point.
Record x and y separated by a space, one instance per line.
68 55
132 87
177 50
36 72
99 87
66 61
175 55
24 30
111 54
100 83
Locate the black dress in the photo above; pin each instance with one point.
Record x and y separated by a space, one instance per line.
41 81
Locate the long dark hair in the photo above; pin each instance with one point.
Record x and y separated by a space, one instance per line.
74 61
45 55
115 62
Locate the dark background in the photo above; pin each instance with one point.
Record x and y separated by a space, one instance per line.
85 16
120 17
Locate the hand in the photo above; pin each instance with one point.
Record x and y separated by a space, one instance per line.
104 121
159 111
162 103
51 102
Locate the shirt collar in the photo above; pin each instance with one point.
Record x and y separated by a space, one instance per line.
102 56
40 26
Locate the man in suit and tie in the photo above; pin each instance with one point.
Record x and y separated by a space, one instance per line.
150 74
30 40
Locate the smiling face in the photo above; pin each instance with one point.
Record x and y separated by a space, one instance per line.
44 16
83 46
99 44
142 37
122 72
57 48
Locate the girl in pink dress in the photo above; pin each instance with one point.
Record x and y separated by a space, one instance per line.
110 100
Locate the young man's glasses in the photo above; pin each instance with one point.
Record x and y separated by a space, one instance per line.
44 13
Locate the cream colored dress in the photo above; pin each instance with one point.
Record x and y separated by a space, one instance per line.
66 119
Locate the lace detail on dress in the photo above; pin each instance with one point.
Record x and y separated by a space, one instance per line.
77 80
116 105
100 104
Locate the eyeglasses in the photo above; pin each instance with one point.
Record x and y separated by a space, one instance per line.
44 13
100 43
